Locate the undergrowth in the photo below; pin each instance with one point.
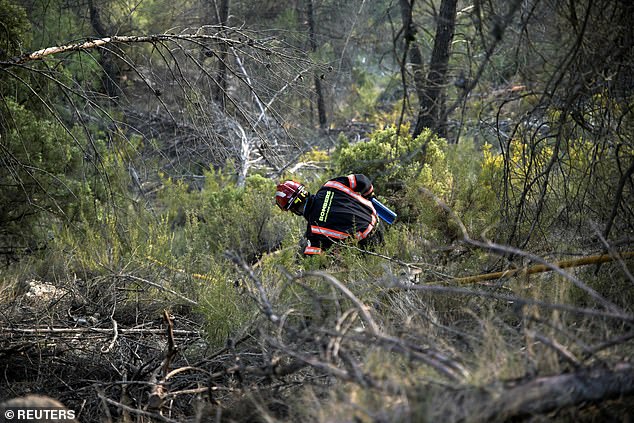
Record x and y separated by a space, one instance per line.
193 246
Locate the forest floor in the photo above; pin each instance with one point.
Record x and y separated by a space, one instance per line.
108 348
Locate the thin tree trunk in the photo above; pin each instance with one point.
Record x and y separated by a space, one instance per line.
222 15
110 78
431 97
415 55
321 104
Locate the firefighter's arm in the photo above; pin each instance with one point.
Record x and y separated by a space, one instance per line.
314 245
310 249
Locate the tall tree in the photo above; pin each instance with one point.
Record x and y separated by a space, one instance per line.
431 99
217 12
110 78
430 88
312 37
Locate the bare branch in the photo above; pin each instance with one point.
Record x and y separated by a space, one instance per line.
362 308
264 301
551 393
159 286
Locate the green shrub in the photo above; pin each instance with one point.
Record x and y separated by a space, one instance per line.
403 168
224 217
44 179
224 302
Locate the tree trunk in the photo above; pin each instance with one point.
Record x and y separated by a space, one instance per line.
220 14
430 97
110 78
321 105
411 47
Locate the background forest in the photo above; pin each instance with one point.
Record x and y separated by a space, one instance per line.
146 274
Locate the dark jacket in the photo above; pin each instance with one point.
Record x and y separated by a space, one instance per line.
339 210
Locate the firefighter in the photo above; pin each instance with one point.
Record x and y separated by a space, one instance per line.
340 210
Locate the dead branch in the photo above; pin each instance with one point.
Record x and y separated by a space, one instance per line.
506 249
609 343
363 309
159 286
172 349
264 301
551 393
114 337
518 301
136 410
120 39
541 268
440 362
561 350
115 327
155 402
375 254
609 248
46 330
374 336
328 368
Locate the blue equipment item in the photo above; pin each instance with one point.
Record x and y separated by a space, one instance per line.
384 213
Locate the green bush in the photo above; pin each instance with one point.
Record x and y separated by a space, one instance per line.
224 217
43 178
394 159
403 169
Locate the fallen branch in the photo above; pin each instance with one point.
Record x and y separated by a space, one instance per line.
505 249
363 309
106 331
552 393
511 299
136 410
159 286
267 308
115 328
157 396
540 268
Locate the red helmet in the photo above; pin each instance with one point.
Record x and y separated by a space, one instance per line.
291 195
